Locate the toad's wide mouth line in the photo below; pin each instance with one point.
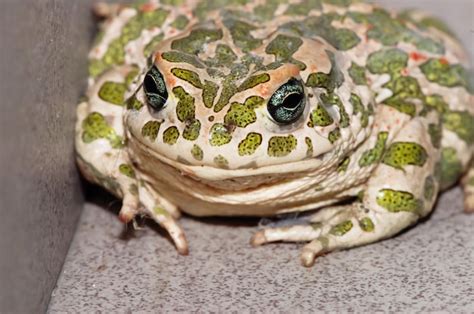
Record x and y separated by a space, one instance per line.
216 174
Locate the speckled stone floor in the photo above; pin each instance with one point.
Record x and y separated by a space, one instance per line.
427 268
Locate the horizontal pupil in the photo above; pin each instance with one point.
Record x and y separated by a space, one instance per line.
150 85
292 101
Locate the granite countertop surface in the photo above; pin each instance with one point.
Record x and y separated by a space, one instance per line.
109 268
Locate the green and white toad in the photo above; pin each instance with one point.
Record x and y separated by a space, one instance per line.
258 108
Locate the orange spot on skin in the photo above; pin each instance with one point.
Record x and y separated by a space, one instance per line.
416 56
147 7
157 57
404 72
444 61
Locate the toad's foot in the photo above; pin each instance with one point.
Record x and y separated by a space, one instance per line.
165 214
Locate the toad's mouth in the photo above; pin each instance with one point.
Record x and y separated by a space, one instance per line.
204 173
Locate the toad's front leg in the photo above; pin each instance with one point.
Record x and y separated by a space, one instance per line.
103 158
400 191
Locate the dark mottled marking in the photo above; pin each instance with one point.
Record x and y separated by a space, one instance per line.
242 115
221 162
334 135
151 129
435 132
342 228
134 104
342 167
404 89
309 144
171 135
250 143
180 22
95 127
240 32
357 73
359 108
220 135
334 100
366 224
445 74
253 81
185 109
181 57
187 75
113 92
195 42
330 80
451 167
320 117
429 188
400 154
398 201
191 130
390 61
461 123
374 155
127 170
151 46
390 31
283 47
197 152
280 146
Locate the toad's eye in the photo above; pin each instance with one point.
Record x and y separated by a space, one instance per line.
155 89
287 104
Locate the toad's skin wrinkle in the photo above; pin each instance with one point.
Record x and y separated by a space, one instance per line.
257 108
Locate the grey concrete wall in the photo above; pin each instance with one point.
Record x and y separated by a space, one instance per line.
43 48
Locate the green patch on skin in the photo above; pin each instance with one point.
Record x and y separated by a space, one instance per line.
240 33
404 89
220 135
191 130
401 154
133 189
357 73
150 129
127 170
334 100
185 109
132 74
359 108
181 57
134 104
461 123
390 61
195 42
309 144
161 212
366 224
180 22
249 144
390 31
95 127
435 132
280 146
115 54
340 38
330 80
206 6
253 81
113 92
436 23
320 117
224 55
436 102
374 155
398 201
334 135
451 167
429 188
221 162
209 93
171 135
197 152
342 228
242 115
445 74
342 167
283 47
151 46
106 181
189 76
266 11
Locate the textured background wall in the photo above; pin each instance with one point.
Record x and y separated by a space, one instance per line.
43 52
